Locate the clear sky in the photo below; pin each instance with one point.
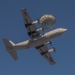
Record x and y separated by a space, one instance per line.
30 61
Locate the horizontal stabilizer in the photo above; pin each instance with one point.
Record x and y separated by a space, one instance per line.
9 47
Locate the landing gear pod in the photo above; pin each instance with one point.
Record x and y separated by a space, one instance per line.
47 21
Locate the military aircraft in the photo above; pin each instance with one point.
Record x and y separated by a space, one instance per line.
37 40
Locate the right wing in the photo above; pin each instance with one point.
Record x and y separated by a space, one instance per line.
31 29
44 52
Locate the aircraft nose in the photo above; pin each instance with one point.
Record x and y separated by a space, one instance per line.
64 30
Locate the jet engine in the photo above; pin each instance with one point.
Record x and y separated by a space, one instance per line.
47 21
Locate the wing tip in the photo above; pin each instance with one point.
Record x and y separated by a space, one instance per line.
53 63
23 9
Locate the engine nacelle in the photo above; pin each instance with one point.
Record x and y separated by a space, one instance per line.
47 21
51 50
47 43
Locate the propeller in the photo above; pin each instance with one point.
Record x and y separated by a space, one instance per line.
50 43
54 49
38 20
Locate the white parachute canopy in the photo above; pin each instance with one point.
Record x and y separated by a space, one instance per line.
47 21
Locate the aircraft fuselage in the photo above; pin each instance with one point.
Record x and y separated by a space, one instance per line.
42 39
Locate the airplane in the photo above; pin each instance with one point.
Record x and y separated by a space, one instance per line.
37 40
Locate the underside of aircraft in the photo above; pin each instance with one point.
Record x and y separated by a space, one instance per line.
36 40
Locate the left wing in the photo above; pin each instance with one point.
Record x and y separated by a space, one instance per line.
31 28
44 52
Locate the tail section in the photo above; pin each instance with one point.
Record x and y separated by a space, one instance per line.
9 46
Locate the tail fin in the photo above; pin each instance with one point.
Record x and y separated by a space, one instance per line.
9 46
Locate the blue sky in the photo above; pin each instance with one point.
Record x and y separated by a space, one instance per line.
30 61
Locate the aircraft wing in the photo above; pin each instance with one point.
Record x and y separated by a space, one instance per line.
43 51
31 29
